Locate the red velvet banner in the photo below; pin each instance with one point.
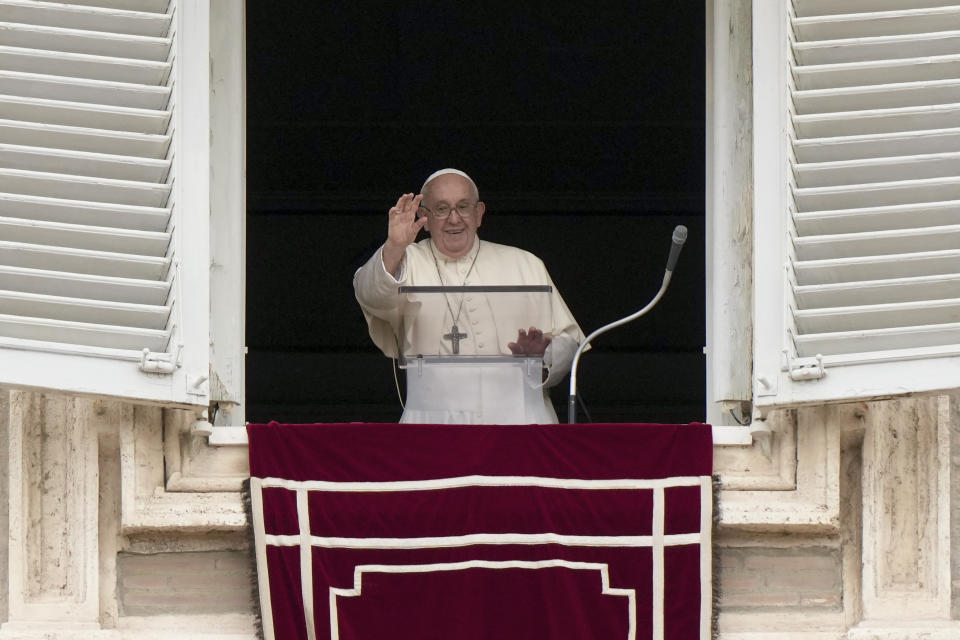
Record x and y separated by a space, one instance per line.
384 531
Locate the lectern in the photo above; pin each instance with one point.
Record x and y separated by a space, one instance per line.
459 367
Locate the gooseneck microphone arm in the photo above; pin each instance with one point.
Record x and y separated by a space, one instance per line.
679 237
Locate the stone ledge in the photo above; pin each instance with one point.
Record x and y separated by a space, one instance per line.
784 635
906 630
185 512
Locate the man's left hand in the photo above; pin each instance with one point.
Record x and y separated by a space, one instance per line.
531 342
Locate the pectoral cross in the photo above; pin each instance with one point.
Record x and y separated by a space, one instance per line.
455 337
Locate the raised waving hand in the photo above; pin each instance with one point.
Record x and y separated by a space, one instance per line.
402 229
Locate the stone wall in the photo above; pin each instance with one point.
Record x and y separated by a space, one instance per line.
845 526
188 583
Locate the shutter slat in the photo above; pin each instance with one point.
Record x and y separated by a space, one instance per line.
53 14
103 263
147 194
80 310
907 265
907 216
806 8
155 6
878 316
857 147
879 23
94 335
147 243
877 48
878 291
871 170
100 92
80 212
881 194
83 163
877 96
874 72
873 243
51 136
95 43
877 121
78 65
91 287
878 340
79 114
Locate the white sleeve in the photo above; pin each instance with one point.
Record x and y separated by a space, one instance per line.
557 358
376 290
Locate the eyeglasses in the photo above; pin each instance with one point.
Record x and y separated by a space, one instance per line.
443 210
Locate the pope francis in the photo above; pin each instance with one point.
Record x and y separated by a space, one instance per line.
464 323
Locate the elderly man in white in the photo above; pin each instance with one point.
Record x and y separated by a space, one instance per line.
449 207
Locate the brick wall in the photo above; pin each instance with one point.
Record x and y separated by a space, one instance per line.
771 578
185 583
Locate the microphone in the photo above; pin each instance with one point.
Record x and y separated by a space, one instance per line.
679 237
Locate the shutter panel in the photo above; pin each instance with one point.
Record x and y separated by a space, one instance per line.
104 197
858 206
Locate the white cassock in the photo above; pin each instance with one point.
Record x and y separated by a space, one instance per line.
475 394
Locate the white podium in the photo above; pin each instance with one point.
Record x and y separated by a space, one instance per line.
459 367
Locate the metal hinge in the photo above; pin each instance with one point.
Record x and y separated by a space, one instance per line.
806 368
164 363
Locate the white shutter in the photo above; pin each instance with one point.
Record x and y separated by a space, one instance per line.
857 198
104 197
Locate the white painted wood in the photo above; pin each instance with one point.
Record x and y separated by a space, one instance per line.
191 173
871 170
78 114
875 243
81 65
879 145
907 265
939 335
53 136
853 74
872 266
822 296
770 193
82 285
82 333
878 316
881 23
906 216
83 163
877 48
103 263
99 214
227 206
52 14
93 189
881 194
59 234
83 310
118 94
156 6
97 43
873 121
729 275
806 8
104 196
878 96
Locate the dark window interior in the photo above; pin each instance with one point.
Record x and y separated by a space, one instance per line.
583 127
